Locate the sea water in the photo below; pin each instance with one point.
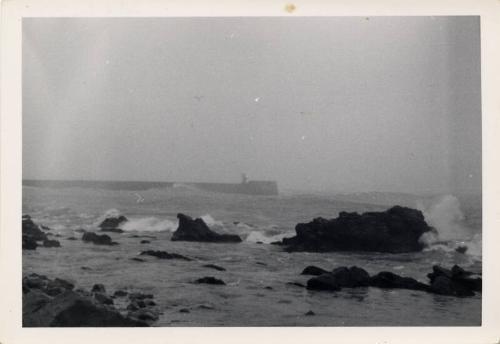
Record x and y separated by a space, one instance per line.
257 292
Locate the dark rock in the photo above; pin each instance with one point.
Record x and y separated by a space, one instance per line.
210 280
85 268
323 282
31 233
103 298
390 280
137 259
99 288
71 238
164 255
213 266
351 277
51 243
454 282
268 287
277 243
120 293
111 224
461 249
183 310
310 313
145 315
145 242
58 235
97 239
29 243
259 242
45 228
35 281
132 306
313 270
395 230
197 230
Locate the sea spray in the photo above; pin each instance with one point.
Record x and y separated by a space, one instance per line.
150 224
446 216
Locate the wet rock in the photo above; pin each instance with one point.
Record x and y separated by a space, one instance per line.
213 266
51 243
197 230
145 242
210 280
137 259
99 288
395 230
313 270
85 268
323 282
98 239
454 282
71 238
310 313
164 255
112 224
184 310
386 279
268 287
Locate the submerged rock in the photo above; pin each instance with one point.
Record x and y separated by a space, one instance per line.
210 280
112 224
98 239
323 282
197 230
164 255
395 230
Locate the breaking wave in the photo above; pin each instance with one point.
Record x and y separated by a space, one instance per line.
150 224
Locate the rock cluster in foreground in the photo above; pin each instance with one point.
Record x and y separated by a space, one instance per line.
395 230
454 282
55 303
197 230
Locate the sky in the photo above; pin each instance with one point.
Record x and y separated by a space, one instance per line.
328 103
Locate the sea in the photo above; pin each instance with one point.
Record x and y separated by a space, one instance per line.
258 291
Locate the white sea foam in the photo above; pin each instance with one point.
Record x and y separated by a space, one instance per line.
447 218
258 236
149 224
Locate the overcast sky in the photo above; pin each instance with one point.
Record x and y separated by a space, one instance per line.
341 104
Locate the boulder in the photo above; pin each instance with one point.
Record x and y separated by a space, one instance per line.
103 298
395 230
323 282
313 270
210 280
197 230
112 224
454 282
145 242
164 255
390 280
98 239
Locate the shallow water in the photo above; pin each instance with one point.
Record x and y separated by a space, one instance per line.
251 268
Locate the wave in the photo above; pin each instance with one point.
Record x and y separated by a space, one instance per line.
150 224
451 233
258 236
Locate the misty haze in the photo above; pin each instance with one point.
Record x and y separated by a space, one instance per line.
264 171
